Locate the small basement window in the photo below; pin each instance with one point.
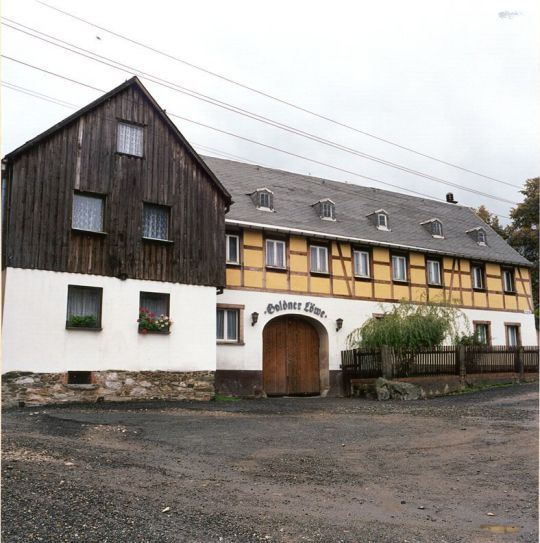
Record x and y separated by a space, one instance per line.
79 377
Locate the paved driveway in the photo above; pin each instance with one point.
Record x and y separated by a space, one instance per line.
282 470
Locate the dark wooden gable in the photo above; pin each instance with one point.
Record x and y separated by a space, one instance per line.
80 154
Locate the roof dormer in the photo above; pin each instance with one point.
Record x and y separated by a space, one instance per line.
326 209
380 219
478 234
434 227
263 199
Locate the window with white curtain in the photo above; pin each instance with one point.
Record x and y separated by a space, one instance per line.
513 338
399 268
87 212
83 307
319 259
232 249
477 277
361 263
156 222
227 325
130 139
434 272
275 253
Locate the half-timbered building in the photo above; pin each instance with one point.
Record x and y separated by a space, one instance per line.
309 260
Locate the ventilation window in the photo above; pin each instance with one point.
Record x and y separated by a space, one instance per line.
434 227
264 199
79 378
478 235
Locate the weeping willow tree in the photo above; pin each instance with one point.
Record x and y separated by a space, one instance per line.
409 328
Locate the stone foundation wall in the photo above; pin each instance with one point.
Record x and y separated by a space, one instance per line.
53 388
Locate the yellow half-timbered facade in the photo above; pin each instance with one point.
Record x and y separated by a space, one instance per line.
310 260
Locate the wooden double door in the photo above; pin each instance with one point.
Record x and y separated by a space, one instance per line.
290 357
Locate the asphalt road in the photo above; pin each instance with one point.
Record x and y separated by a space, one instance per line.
453 469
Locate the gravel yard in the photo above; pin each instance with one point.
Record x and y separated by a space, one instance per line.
461 468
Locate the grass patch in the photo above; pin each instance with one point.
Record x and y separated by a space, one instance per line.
225 398
479 388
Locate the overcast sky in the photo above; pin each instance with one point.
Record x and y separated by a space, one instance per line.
458 80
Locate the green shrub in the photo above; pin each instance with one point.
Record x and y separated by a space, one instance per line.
82 321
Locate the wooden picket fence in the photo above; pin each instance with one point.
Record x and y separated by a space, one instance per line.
445 360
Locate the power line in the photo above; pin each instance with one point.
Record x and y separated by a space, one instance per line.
246 113
271 97
48 98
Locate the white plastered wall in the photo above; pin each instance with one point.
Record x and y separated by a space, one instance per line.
353 312
35 338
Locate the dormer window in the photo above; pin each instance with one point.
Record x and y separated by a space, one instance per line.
382 221
326 209
434 227
479 235
264 199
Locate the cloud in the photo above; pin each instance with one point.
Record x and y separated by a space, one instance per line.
509 14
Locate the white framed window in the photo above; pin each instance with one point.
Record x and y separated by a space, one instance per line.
477 277
228 325
399 268
156 222
361 263
513 338
154 308
319 259
382 221
327 210
508 281
84 307
481 237
275 253
130 139
481 332
436 229
434 272
87 212
232 250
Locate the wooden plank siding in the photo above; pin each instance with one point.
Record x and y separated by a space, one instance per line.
43 177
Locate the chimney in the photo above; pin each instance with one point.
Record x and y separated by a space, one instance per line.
450 198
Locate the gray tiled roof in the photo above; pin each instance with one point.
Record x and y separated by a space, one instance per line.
295 194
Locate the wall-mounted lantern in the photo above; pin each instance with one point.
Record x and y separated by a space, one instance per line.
339 324
254 318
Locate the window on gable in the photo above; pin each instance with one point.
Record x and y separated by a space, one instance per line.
319 259
156 222
361 263
232 249
399 268
154 312
477 272
275 253
434 272
130 139
228 325
382 221
508 281
87 212
84 307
